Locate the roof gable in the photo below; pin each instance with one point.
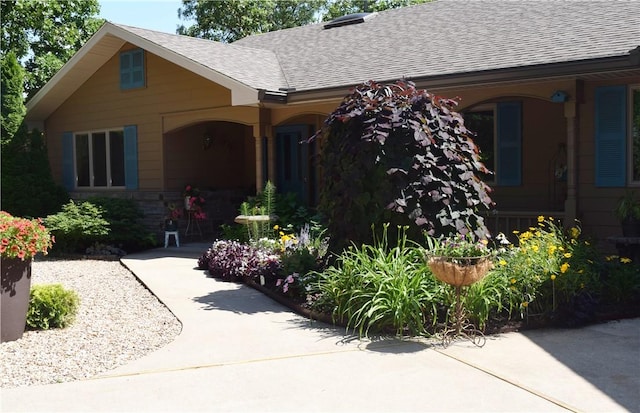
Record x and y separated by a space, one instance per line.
243 70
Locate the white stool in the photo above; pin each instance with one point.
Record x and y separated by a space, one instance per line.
175 236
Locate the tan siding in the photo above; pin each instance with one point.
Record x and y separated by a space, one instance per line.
596 204
99 103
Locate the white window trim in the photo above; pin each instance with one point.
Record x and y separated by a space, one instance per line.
630 181
108 160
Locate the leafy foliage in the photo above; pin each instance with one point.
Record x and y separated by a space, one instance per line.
339 8
28 188
46 34
13 109
382 289
234 261
393 153
51 306
77 226
126 231
230 20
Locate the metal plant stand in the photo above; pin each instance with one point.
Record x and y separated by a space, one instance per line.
460 273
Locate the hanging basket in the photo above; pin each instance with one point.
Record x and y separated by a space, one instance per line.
459 271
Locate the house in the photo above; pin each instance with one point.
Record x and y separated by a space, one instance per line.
552 88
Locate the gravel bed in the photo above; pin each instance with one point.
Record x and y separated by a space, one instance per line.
118 321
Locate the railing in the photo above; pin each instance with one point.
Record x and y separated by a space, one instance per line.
509 221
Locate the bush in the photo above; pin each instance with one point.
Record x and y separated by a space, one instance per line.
393 153
125 229
51 306
382 289
233 261
77 226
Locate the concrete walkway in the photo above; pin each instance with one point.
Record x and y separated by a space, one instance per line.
240 351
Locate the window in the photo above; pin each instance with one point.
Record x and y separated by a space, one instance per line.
99 159
132 69
481 121
107 158
499 137
634 133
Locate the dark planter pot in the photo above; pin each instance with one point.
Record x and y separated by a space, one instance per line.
631 227
16 286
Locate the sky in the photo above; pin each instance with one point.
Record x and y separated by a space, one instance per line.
161 15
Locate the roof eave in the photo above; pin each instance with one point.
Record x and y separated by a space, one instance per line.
487 77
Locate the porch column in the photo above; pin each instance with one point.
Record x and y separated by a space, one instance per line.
257 136
571 204
271 155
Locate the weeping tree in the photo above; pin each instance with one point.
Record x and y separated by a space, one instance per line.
394 153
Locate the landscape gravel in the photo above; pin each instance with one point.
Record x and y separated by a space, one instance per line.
118 321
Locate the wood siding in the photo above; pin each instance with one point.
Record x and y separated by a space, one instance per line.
99 104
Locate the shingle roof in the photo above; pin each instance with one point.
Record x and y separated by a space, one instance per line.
257 68
452 37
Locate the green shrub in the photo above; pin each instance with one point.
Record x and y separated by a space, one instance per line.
77 226
620 280
381 288
51 306
126 231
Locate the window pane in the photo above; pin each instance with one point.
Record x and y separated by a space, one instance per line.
481 123
99 159
116 153
82 160
635 136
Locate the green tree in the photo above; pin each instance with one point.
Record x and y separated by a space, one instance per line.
45 34
13 109
230 20
27 186
343 7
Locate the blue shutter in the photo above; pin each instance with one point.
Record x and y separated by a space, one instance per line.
131 157
132 69
610 136
68 170
137 68
509 156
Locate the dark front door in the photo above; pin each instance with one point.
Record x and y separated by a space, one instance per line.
292 159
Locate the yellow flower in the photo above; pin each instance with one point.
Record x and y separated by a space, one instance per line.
553 277
513 281
281 234
611 257
516 232
564 267
625 260
525 304
276 227
503 263
512 288
541 218
552 249
484 242
567 255
535 248
575 232
550 218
